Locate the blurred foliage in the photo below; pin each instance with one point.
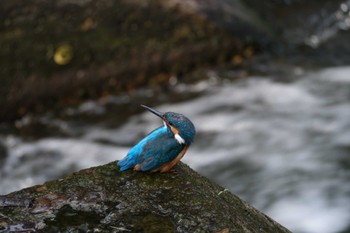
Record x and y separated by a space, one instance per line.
57 53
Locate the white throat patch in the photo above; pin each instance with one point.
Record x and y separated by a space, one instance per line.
179 139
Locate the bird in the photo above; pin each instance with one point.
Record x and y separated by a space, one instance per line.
164 147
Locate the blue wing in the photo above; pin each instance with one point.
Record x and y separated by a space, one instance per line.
156 149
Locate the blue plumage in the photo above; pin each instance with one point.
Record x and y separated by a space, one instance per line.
162 148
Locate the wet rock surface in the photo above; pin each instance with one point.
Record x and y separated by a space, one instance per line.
102 199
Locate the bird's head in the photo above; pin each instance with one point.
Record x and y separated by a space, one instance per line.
180 126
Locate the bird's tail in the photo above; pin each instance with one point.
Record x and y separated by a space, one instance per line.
125 164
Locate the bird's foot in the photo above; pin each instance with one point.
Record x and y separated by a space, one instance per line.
171 171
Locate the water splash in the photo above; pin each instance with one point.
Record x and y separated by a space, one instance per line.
330 26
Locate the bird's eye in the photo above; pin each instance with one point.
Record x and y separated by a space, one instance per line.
171 124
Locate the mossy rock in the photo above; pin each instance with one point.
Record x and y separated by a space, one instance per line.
103 199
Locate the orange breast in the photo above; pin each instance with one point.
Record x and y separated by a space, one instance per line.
166 167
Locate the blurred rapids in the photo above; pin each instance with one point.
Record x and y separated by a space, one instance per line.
283 146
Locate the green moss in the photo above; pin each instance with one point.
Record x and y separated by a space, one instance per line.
67 216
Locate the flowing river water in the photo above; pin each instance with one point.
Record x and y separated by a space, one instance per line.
283 146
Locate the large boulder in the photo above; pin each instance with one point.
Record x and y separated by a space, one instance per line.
103 199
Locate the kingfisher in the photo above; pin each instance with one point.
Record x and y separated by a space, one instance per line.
164 147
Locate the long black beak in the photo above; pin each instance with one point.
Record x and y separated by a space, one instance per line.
157 113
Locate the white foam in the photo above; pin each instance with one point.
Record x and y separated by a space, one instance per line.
310 213
53 158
